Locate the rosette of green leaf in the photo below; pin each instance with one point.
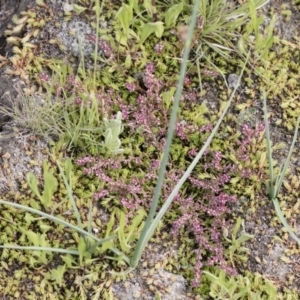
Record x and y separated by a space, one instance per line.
275 183
126 22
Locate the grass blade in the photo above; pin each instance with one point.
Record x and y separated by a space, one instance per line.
279 184
269 149
284 222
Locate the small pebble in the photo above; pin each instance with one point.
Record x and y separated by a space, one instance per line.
233 80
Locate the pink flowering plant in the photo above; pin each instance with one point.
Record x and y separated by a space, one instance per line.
129 180
201 214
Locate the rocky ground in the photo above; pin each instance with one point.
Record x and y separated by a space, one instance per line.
271 251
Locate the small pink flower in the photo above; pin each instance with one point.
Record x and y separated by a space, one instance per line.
131 87
159 47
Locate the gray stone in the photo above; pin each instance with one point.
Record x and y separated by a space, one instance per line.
169 286
233 80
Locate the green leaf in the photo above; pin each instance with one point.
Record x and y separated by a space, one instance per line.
225 233
237 227
108 244
33 237
111 136
172 14
69 260
111 143
78 9
45 227
167 97
218 280
33 184
125 16
135 5
150 28
234 180
70 194
43 241
29 218
121 234
58 274
81 247
244 237
133 228
149 7
68 170
41 256
34 204
128 61
50 186
121 38
241 294
271 290
159 29
242 45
